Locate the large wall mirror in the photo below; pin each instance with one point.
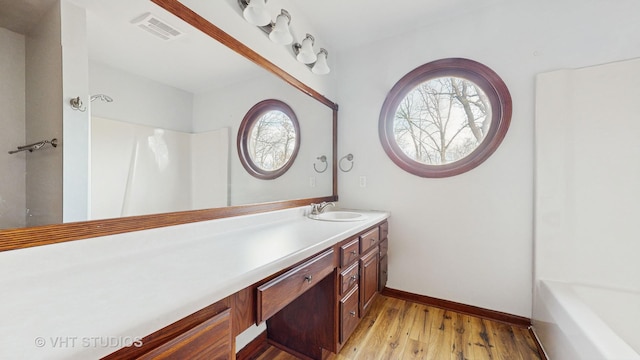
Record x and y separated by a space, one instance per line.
153 141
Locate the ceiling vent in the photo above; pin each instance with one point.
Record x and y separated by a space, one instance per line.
157 27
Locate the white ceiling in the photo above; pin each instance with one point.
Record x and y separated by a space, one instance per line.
341 24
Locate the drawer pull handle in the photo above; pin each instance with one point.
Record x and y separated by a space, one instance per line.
354 277
373 239
352 313
308 278
353 252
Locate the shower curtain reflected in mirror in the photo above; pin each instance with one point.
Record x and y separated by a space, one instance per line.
137 170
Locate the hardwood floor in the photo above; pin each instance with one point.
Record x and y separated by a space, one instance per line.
398 329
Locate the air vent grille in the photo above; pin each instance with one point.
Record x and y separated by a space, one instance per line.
156 26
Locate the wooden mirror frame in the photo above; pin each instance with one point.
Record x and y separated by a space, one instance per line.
12 239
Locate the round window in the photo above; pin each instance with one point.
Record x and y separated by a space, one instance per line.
445 118
268 139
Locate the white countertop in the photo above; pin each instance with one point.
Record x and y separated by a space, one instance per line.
86 299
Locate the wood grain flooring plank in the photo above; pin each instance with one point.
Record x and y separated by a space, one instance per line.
414 350
421 327
482 346
398 334
440 341
504 340
375 341
462 348
526 344
355 342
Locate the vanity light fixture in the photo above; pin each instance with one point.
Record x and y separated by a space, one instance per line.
304 51
256 12
280 33
321 67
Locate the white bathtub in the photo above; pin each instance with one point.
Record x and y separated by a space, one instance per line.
578 322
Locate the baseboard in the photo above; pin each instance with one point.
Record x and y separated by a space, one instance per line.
253 349
510 319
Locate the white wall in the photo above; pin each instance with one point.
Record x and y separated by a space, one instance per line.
227 108
75 123
469 238
587 176
44 101
139 100
12 103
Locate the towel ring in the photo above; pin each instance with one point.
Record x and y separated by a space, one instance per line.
322 159
348 157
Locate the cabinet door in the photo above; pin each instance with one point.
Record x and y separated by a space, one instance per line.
383 273
209 340
368 279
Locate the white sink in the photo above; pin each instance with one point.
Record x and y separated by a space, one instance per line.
339 216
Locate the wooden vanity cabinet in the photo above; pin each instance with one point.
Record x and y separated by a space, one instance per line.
311 309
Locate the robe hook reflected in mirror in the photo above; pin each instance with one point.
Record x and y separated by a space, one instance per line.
77 104
323 159
348 157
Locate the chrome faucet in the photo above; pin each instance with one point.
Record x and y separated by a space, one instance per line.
317 209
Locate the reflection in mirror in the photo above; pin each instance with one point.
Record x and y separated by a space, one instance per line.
268 139
163 143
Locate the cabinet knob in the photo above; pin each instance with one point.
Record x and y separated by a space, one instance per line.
354 277
353 252
308 278
352 313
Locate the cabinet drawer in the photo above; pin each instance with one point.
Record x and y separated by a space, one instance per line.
349 252
369 240
384 230
348 314
279 292
384 247
349 278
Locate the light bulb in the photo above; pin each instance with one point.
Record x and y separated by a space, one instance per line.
306 54
256 13
321 67
280 33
